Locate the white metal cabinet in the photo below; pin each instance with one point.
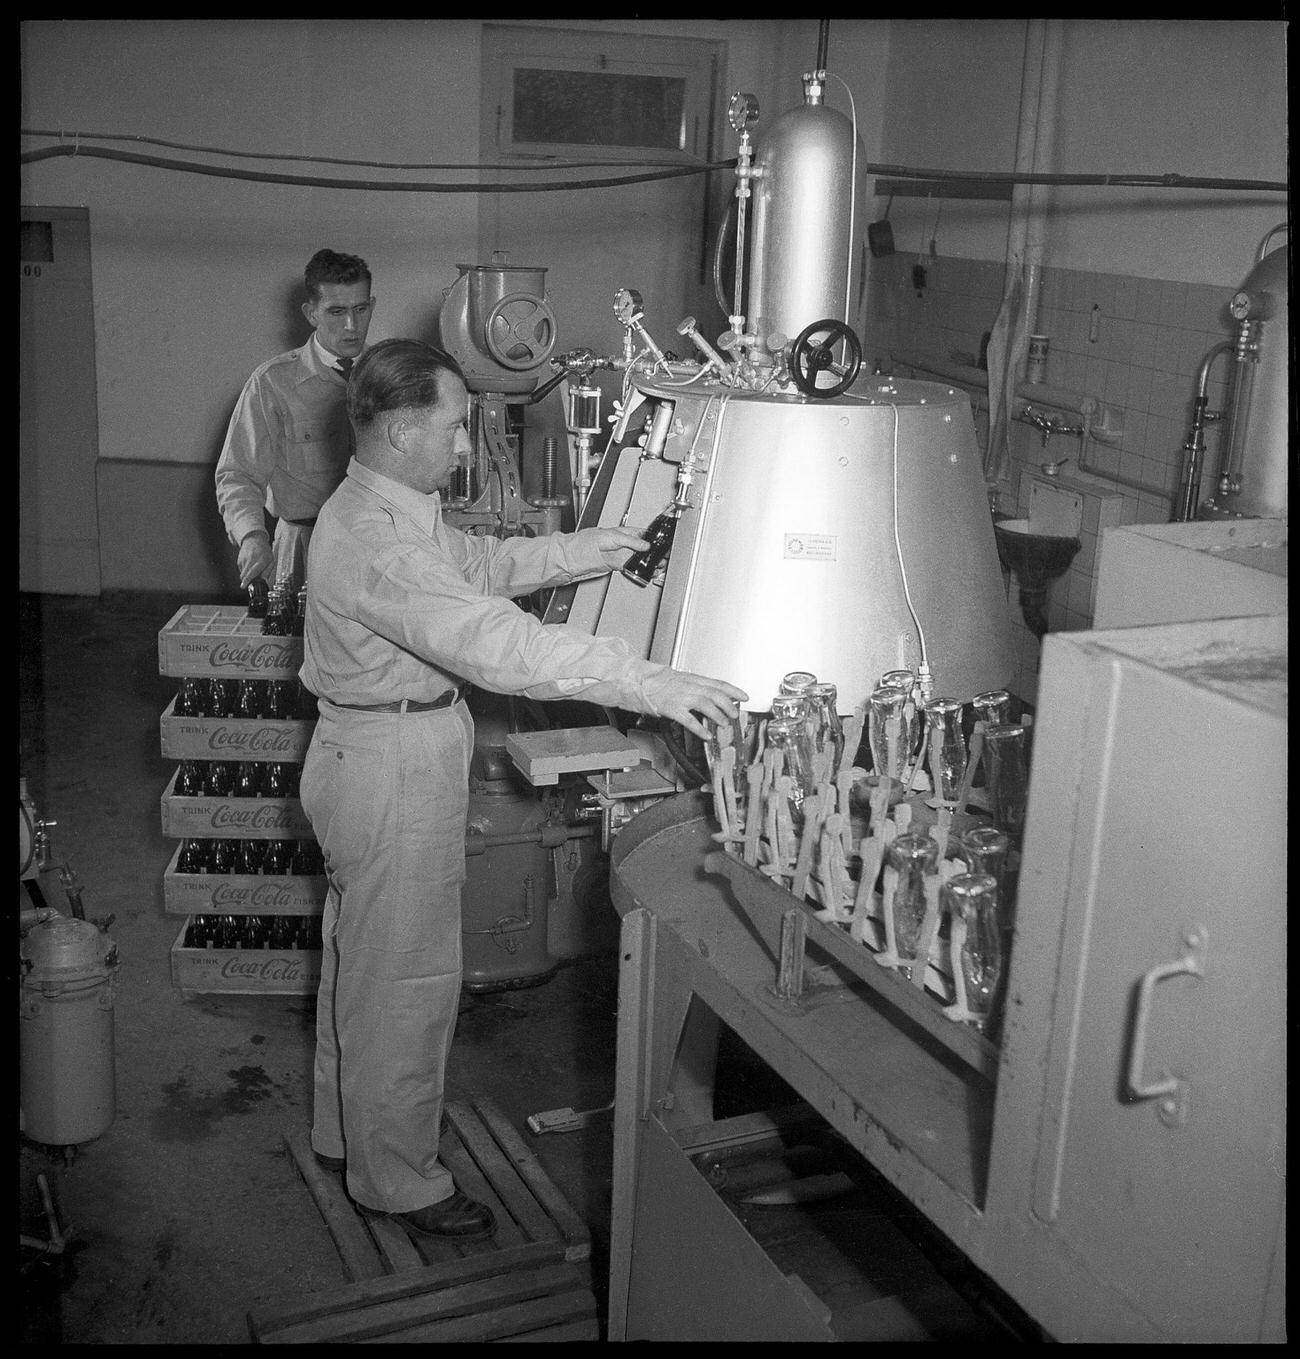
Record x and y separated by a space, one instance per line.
1156 834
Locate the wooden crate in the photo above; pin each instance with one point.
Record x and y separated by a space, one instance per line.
233 818
233 738
222 641
530 1281
242 893
244 972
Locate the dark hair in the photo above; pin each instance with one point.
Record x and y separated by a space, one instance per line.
328 266
396 375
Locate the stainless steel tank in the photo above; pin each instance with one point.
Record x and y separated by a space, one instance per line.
830 535
1255 460
803 266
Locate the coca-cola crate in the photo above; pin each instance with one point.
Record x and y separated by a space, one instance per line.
222 640
242 893
233 738
244 972
233 818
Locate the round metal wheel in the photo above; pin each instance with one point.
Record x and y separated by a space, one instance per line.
813 353
520 331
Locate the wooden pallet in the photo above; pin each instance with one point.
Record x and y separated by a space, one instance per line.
529 1281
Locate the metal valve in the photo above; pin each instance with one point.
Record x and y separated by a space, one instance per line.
687 326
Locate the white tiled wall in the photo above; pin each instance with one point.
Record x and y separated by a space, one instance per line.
1140 354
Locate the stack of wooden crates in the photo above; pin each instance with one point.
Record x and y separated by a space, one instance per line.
205 642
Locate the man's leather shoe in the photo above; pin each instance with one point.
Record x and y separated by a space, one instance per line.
336 1165
459 1218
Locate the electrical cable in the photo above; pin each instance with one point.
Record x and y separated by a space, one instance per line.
898 551
1126 181
541 163
371 185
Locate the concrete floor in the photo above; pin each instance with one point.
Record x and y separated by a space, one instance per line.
187 1212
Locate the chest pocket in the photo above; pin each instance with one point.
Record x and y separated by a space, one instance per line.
318 444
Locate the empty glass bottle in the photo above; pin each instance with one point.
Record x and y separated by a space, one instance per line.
824 719
797 682
984 848
1008 778
887 730
912 856
944 716
972 899
992 708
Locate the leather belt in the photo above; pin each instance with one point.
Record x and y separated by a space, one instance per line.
302 523
406 705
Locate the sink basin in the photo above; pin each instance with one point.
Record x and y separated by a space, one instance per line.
1036 558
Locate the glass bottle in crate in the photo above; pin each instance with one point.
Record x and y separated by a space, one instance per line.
247 781
191 778
279 858
222 698
222 855
218 778
249 858
193 857
281 700
887 730
971 902
191 698
250 700
943 715
912 856
1007 778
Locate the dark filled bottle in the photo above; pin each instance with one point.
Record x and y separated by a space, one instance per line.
282 931
305 708
221 857
257 598
279 858
249 858
299 621
222 698
218 779
190 778
248 782
252 698
273 625
641 566
280 700
193 857
191 700
199 934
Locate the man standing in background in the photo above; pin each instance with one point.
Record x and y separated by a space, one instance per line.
289 441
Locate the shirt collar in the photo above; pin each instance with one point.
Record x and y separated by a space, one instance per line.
324 357
423 509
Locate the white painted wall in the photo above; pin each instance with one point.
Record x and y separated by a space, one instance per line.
1135 97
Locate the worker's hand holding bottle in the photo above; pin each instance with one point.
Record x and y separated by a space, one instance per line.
681 695
615 545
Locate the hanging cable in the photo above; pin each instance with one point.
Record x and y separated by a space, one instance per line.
544 163
372 185
1166 181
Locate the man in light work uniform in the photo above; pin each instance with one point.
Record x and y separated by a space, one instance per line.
402 612
289 440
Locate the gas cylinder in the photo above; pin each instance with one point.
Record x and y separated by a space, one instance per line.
66 1055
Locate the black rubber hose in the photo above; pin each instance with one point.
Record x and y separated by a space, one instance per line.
673 732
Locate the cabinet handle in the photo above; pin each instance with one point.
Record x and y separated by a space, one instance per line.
1168 1089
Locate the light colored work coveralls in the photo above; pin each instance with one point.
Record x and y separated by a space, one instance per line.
402 606
287 448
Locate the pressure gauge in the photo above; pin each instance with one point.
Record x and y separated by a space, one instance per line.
1240 306
742 111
